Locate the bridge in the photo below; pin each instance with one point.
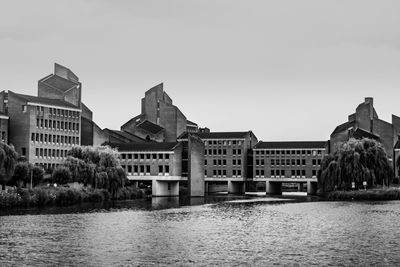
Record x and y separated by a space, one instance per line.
169 185
274 185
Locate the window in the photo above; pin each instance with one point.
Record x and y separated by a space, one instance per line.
314 173
135 169
148 156
129 169
272 173
166 156
293 173
272 162
23 150
303 162
166 169
24 108
160 156
160 169
314 162
303 173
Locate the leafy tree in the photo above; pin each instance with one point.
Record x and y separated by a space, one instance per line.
8 160
21 173
355 161
37 174
62 175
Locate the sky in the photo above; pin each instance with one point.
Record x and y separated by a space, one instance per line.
287 70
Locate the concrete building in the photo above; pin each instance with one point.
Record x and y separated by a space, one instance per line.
4 127
288 162
160 120
160 163
226 159
41 129
366 123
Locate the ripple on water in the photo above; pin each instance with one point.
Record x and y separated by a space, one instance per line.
252 233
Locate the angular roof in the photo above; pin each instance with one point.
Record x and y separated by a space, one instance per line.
138 117
343 127
45 101
59 83
361 133
150 127
217 135
148 146
291 145
191 123
126 135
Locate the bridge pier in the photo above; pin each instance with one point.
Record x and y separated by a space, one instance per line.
300 187
236 187
312 188
273 188
162 188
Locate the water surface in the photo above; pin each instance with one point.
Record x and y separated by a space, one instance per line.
230 232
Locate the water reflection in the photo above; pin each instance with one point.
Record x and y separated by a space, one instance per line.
225 232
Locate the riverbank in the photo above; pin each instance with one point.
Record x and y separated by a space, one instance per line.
392 193
62 196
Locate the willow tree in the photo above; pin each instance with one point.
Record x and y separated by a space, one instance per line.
355 162
97 166
8 160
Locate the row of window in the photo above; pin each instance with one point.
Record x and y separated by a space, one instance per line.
288 162
144 156
222 173
50 153
57 112
223 142
145 169
57 125
221 151
223 162
55 139
308 152
282 173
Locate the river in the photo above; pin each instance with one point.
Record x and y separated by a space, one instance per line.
219 232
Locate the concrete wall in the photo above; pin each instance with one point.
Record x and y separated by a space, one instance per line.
196 166
385 132
165 188
20 124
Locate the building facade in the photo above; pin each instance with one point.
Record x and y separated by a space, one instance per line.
42 130
288 159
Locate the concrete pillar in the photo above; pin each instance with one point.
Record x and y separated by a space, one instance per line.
273 188
300 187
165 188
235 187
312 188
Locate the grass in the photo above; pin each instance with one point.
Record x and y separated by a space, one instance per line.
60 196
392 193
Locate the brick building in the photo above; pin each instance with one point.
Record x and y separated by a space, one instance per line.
225 153
366 123
41 129
297 159
160 120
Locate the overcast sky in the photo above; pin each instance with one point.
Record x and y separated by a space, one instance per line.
288 70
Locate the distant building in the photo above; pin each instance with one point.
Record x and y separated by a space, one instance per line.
297 159
365 123
160 120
